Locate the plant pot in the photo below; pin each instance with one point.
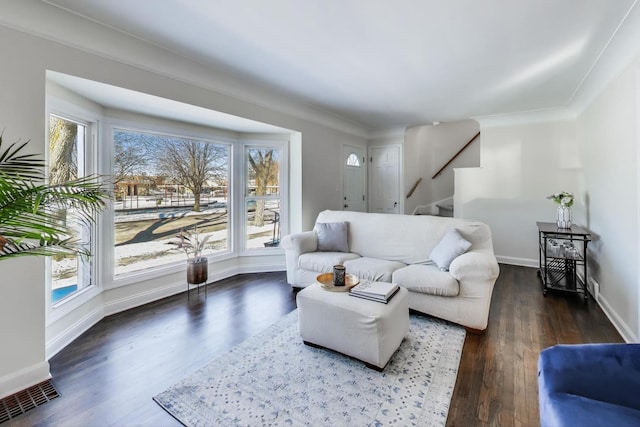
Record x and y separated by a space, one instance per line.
197 270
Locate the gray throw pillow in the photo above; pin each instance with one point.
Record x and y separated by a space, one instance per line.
451 246
332 236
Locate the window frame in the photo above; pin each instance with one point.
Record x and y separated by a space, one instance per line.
283 182
70 111
175 130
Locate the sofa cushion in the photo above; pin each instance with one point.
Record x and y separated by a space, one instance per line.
427 279
451 246
323 262
332 236
372 268
405 238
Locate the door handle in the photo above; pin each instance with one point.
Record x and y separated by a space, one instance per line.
395 204
346 206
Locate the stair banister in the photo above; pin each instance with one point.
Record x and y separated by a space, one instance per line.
456 155
410 193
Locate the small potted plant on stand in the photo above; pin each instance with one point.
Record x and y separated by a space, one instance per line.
197 265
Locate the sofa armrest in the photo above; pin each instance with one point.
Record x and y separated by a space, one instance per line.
475 265
300 242
607 372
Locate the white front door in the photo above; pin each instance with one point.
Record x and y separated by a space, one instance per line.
353 166
384 188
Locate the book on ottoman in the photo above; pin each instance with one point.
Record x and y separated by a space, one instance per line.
376 291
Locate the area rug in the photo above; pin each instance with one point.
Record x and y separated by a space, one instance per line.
274 379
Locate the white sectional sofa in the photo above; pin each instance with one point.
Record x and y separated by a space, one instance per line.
397 248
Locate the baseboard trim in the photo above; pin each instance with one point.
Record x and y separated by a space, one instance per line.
145 297
622 328
24 378
617 322
523 262
59 342
65 338
140 298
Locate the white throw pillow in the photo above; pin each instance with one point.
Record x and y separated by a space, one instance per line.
332 236
451 246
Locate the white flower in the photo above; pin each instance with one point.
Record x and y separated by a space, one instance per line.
564 198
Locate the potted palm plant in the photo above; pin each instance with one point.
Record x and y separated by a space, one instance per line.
192 243
28 206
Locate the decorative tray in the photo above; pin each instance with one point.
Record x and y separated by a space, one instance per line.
325 280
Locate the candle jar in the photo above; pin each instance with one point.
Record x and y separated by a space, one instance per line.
338 275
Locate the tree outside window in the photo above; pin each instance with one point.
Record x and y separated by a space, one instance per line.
262 196
165 184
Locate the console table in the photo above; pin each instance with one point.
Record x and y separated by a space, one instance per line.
562 254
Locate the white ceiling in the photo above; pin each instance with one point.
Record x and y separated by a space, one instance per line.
383 63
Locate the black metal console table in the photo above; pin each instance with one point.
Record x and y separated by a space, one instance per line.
562 256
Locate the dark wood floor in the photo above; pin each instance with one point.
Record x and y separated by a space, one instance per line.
497 381
110 373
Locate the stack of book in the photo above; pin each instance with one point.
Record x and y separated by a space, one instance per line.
374 291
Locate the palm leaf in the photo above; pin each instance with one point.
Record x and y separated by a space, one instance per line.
29 166
28 207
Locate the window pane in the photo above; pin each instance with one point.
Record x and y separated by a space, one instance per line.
263 223
164 184
262 210
69 273
263 171
353 160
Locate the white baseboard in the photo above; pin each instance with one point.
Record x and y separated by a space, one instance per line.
594 288
140 298
24 378
622 328
64 338
135 300
524 262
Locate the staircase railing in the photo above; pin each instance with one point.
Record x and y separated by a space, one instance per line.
456 155
410 193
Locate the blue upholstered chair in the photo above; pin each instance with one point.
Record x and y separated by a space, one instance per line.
589 385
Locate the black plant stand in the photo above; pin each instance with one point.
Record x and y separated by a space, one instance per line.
562 254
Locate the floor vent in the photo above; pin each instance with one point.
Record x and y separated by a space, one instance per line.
25 400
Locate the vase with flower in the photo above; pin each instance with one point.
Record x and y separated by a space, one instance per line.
564 200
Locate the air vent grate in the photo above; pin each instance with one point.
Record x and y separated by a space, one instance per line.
21 402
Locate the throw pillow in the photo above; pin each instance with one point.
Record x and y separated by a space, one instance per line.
451 246
332 236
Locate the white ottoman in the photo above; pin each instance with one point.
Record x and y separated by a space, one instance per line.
367 330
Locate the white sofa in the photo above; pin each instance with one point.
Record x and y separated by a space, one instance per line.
396 248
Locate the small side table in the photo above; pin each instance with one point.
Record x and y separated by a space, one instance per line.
562 254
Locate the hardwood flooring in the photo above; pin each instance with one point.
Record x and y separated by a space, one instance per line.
110 373
497 382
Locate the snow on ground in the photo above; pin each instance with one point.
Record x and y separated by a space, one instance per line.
136 255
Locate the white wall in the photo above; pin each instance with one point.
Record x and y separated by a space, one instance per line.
22 115
521 166
594 156
427 149
608 138
22 290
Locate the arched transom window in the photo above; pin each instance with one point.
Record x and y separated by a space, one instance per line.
353 160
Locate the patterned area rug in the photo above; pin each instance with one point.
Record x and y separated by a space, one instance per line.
274 379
